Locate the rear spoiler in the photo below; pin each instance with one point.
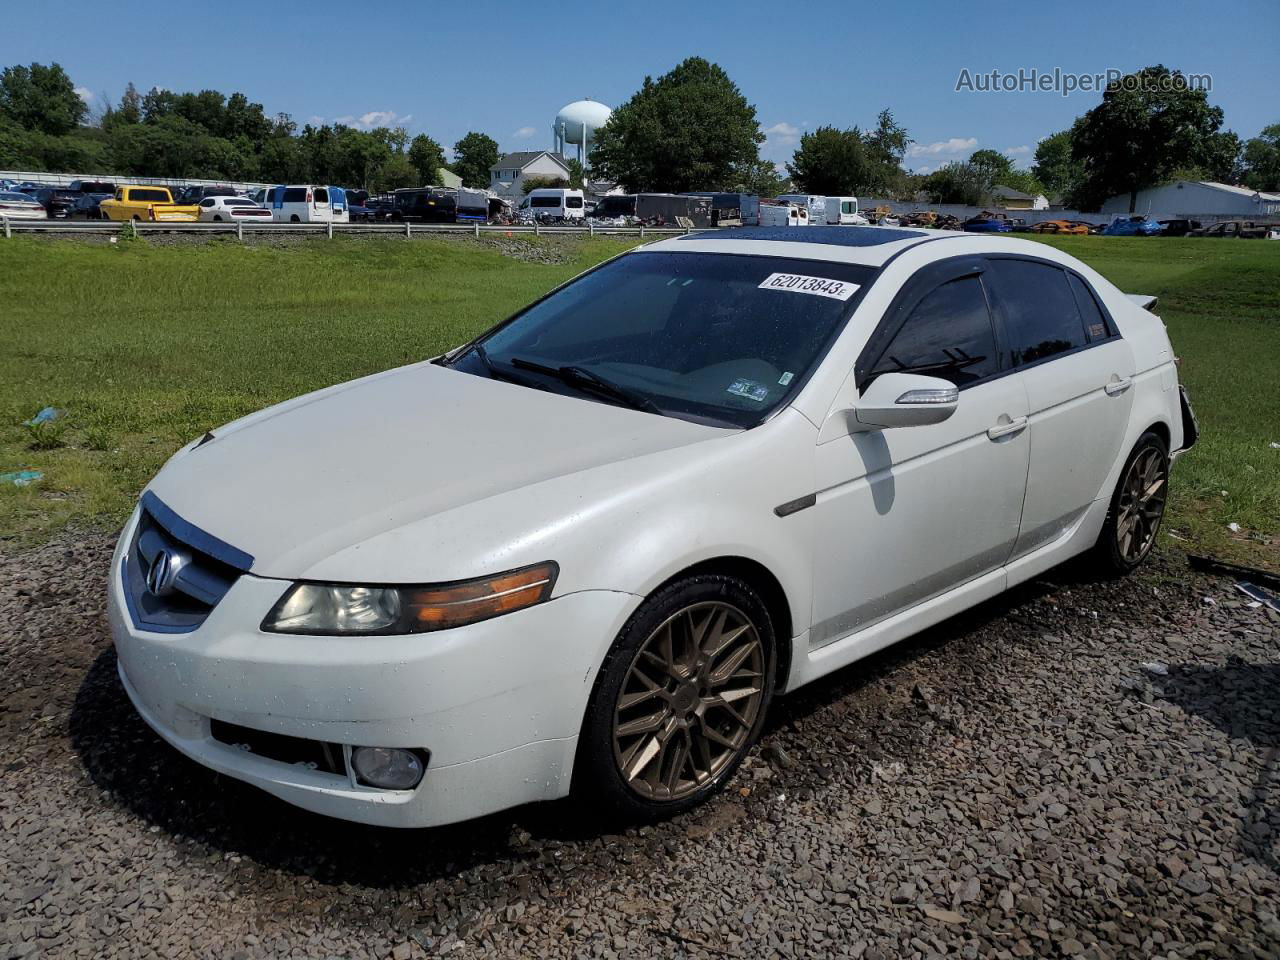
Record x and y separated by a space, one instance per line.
1143 301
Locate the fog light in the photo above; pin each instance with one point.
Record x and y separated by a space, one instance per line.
387 767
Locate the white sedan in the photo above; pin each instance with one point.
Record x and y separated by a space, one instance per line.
21 206
582 553
228 209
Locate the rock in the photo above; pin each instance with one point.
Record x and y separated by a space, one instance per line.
946 916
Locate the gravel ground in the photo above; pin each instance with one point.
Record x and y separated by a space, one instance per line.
1078 769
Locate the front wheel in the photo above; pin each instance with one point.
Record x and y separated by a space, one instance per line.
679 700
1137 507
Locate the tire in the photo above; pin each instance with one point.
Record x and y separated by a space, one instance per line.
217 218
295 219
1137 508
645 752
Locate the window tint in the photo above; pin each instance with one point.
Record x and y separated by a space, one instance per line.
544 201
150 196
573 203
206 203
948 335
321 195
1040 308
295 195
1095 321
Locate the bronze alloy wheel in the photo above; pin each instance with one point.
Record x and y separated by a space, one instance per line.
1141 505
689 701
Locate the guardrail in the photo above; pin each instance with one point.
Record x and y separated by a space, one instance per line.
241 229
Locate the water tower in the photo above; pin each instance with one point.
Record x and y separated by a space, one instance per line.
577 124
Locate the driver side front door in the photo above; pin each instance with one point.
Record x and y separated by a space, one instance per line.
907 514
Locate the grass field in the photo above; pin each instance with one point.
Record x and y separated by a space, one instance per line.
147 346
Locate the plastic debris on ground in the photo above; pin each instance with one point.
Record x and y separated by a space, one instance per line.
47 415
1156 669
1233 527
20 478
1258 595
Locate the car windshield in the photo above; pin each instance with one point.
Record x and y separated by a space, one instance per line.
708 337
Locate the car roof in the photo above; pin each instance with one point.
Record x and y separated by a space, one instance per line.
870 246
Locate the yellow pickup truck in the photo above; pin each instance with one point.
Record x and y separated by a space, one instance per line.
146 203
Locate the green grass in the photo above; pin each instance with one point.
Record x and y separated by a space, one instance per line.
1220 300
148 346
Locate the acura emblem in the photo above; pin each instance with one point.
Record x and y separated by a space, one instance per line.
163 576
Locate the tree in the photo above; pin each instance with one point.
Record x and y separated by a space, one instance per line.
994 167
397 172
545 183
1024 181
40 98
1055 167
1262 160
887 144
757 176
957 183
1148 125
577 175
473 155
427 158
830 162
687 130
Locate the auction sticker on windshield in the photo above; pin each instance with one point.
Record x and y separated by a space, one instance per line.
816 286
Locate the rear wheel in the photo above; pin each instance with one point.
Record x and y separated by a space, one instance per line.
679 700
1137 507
295 219
217 218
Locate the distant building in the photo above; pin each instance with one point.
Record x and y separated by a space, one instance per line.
507 176
1183 198
1012 199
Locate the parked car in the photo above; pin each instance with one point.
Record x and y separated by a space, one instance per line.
381 208
20 206
987 223
231 209
1178 228
191 196
1065 227
702 474
1135 226
146 203
57 201
308 203
1244 229
440 205
89 195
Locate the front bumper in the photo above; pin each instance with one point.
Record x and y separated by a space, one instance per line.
497 704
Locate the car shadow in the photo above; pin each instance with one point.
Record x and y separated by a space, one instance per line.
1240 700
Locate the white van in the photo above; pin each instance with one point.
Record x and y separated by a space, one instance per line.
558 204
783 215
844 210
816 206
307 203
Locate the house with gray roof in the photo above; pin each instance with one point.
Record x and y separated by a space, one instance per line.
507 176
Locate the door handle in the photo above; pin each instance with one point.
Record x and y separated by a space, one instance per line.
1009 429
1117 387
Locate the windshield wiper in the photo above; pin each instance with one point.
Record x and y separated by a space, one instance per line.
590 381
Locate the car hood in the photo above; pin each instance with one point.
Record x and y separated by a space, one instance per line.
293 484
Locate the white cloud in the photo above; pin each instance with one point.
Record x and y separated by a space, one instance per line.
375 118
780 141
315 121
524 133
1013 151
85 94
925 169
955 145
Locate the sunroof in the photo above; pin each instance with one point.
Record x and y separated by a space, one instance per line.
833 235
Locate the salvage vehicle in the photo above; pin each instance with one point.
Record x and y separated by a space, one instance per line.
582 553
21 206
987 223
1242 229
1135 226
220 209
1179 227
307 203
1077 228
145 203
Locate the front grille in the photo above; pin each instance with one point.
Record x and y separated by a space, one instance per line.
198 579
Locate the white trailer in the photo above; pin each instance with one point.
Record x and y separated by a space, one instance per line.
783 215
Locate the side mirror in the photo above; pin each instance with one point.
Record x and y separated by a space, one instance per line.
904 400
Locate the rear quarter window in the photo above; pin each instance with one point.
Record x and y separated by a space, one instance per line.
295 195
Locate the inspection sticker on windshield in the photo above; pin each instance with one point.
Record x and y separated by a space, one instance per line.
749 389
816 286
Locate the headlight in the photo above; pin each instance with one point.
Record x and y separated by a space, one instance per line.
342 609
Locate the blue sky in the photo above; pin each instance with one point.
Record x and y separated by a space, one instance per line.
416 64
